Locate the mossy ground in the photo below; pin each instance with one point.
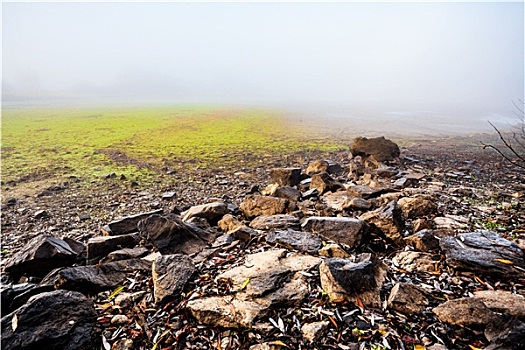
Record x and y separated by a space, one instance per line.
49 142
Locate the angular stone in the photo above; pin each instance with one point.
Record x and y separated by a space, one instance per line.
388 220
510 336
422 224
418 206
317 166
53 320
212 212
323 183
123 344
170 235
423 240
333 251
279 221
170 275
93 279
288 193
314 330
484 252
407 298
218 311
302 241
125 254
464 312
255 205
503 302
416 261
39 256
337 200
285 176
291 293
127 224
99 247
14 296
360 276
359 204
229 223
266 346
380 148
347 231
365 192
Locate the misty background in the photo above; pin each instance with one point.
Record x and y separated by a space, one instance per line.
418 63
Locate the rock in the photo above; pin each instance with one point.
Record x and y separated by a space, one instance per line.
337 200
386 172
437 347
360 276
450 223
317 167
119 319
53 320
387 220
127 224
39 214
503 302
279 221
333 251
302 241
511 336
212 212
359 204
93 279
324 183
255 205
485 253
414 207
39 256
464 312
285 176
381 149
14 296
99 247
170 275
266 346
416 261
421 224
218 311
168 195
365 192
229 223
124 254
314 330
407 298
170 235
291 293
347 231
286 192
423 240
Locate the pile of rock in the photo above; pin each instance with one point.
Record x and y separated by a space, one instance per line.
366 236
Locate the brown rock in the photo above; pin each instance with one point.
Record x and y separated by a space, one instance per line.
502 302
170 275
341 230
285 176
279 221
212 212
314 330
333 251
323 183
423 240
380 148
229 223
388 220
464 312
99 247
255 205
413 207
407 298
416 261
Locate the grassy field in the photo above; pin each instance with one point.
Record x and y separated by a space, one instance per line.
47 142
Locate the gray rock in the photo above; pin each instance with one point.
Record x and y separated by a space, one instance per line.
285 176
212 212
39 256
464 312
170 235
510 336
338 200
53 320
484 252
407 298
323 182
417 206
416 261
127 224
289 193
302 241
255 205
347 231
279 221
361 276
503 302
387 220
366 192
170 275
317 166
380 148
99 247
125 254
359 204
314 330
93 279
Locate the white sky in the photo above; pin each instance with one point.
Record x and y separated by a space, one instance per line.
409 56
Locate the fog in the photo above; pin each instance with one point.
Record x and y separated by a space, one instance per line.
396 60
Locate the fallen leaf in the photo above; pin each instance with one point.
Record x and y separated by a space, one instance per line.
116 292
505 261
280 343
245 283
14 323
419 347
473 347
360 303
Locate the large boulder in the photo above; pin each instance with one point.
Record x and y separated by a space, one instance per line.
380 148
39 256
484 252
53 320
347 231
170 235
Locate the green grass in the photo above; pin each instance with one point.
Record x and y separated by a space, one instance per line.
92 142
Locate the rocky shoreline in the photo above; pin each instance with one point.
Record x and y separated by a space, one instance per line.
368 248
